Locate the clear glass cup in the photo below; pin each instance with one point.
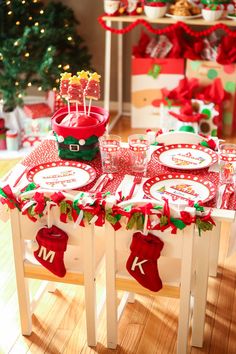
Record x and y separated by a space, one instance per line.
227 163
139 149
109 145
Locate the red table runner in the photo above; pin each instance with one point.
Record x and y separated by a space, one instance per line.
47 152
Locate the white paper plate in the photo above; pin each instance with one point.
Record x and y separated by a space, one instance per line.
61 175
180 188
185 156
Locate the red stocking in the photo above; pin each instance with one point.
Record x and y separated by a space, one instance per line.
142 262
52 245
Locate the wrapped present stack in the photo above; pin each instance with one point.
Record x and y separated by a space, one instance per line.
78 126
164 60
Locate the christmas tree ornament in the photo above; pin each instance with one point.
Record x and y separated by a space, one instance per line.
142 262
52 243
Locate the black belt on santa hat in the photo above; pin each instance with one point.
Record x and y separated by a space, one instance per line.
77 147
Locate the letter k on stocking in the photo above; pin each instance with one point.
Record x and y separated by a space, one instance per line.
142 262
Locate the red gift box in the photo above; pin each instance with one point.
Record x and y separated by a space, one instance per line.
37 110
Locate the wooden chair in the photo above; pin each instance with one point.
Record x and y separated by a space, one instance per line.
178 278
82 259
178 137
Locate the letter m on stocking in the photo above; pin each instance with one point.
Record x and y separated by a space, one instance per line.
47 256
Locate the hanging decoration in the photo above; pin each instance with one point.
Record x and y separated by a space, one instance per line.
99 208
168 29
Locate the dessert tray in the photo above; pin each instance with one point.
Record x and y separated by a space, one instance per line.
181 18
185 156
61 175
179 188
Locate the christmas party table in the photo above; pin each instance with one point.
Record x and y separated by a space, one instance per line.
47 152
208 224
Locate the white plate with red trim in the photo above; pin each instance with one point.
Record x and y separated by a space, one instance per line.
180 188
179 18
185 156
61 175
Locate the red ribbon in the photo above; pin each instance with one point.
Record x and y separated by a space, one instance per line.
57 197
11 200
207 218
187 218
40 202
64 216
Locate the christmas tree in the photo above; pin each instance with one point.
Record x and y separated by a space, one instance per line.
37 43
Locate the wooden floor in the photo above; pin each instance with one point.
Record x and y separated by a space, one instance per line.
147 326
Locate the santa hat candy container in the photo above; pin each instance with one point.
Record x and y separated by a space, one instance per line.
77 128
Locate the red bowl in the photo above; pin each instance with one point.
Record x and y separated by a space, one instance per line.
81 132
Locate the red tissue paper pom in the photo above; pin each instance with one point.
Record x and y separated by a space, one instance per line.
227 50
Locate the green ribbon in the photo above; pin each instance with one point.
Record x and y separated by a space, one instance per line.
157 207
163 220
66 208
88 216
178 223
136 219
203 226
198 207
31 186
63 207
2 193
204 143
128 208
75 206
169 102
111 218
154 71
